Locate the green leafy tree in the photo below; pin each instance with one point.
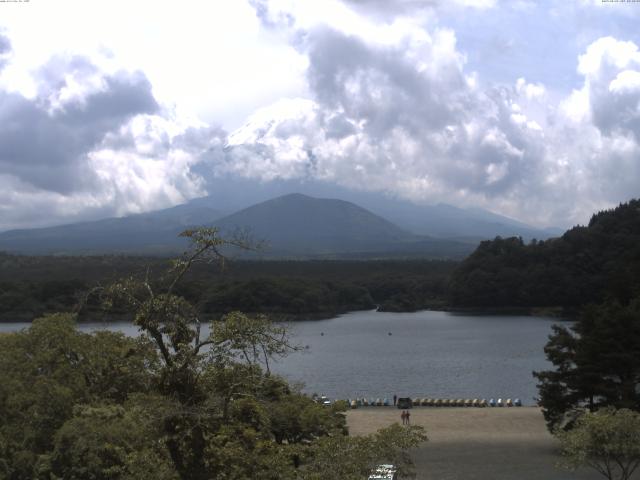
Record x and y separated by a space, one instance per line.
217 381
352 458
607 441
297 419
47 369
111 442
597 364
172 403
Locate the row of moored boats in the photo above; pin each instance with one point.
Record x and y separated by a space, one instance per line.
438 402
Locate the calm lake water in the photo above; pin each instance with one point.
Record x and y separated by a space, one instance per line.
425 354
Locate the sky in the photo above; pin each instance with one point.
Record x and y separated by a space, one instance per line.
530 109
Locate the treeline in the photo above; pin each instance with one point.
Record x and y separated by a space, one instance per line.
32 286
586 265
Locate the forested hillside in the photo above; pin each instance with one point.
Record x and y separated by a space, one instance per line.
585 265
31 286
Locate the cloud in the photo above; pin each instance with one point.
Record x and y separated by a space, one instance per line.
390 101
91 142
5 50
598 130
5 44
405 118
612 84
394 109
44 141
411 6
482 4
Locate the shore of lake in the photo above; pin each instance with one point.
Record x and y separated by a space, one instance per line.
476 443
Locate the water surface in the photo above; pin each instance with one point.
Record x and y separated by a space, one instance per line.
425 354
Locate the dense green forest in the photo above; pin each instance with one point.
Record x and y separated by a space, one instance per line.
585 265
33 285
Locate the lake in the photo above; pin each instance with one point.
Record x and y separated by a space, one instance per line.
425 354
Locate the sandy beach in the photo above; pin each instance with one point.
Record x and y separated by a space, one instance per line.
476 443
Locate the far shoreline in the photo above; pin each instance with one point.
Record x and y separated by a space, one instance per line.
560 314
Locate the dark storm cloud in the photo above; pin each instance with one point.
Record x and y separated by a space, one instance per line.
44 141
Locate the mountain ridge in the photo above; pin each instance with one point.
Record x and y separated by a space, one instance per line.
324 227
297 223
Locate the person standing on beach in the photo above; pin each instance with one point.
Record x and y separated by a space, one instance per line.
407 416
395 399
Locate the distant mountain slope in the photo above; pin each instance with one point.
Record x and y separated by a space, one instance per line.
295 225
446 221
586 264
441 220
298 224
147 233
